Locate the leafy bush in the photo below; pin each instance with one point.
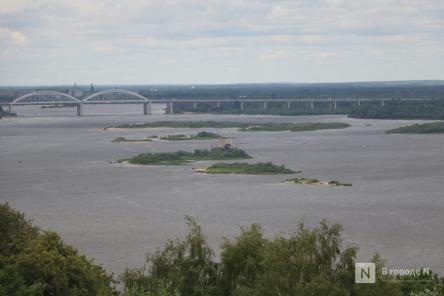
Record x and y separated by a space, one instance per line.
35 262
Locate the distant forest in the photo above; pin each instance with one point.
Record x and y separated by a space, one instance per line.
393 110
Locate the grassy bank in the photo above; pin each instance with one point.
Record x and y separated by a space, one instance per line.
243 126
316 182
246 168
426 128
198 136
295 127
184 157
125 140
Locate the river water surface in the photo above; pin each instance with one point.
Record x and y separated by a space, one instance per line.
58 170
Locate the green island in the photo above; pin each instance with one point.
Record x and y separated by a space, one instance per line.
295 127
267 168
198 136
184 157
316 182
125 140
242 126
425 128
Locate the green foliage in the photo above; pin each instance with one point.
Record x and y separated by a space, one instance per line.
183 157
401 110
33 262
123 139
425 128
246 168
185 267
296 127
199 136
312 181
311 262
243 126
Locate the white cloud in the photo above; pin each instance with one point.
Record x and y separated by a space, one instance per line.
12 38
273 55
223 33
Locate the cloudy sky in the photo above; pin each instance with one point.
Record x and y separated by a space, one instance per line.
226 41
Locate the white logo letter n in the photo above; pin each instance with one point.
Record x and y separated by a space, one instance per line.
365 273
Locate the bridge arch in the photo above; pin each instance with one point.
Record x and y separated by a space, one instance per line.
47 93
93 97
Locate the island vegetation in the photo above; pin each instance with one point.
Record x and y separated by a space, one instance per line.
243 126
312 181
125 140
199 136
184 157
307 261
425 128
267 168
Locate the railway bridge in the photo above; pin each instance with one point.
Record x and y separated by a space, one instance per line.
122 96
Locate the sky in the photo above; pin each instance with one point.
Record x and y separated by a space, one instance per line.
216 42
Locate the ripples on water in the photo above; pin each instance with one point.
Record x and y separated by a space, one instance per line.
57 170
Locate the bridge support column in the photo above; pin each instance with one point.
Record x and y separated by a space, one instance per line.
171 107
312 104
288 104
195 104
218 104
10 108
79 109
382 103
242 106
147 108
359 103
335 105
265 105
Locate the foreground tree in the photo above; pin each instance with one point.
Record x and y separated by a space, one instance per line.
308 262
35 262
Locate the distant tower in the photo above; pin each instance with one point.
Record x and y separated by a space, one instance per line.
73 89
92 87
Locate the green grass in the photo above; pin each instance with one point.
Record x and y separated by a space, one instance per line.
184 157
295 127
125 140
198 136
243 126
311 181
426 128
246 168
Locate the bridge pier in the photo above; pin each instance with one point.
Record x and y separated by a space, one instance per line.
242 106
335 105
288 104
171 107
382 103
312 104
265 105
195 104
79 109
10 108
218 104
359 102
147 108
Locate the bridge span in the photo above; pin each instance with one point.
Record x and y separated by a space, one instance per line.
122 96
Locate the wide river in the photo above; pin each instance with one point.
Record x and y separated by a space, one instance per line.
58 170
